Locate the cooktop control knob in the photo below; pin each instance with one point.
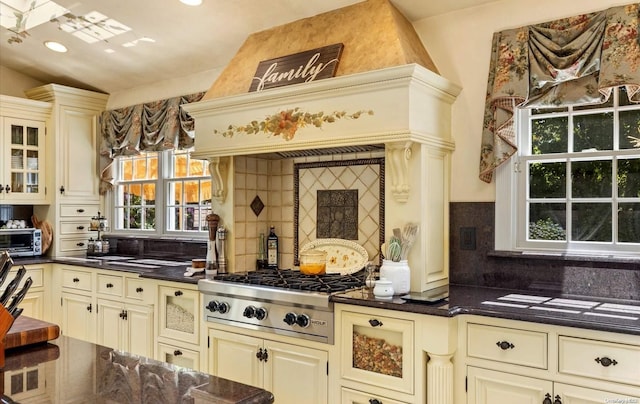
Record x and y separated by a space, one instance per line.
303 320
212 306
249 312
223 307
261 313
290 318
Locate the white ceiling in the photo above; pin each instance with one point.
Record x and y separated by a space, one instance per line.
187 39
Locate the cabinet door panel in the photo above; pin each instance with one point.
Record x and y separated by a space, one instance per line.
110 324
233 357
139 330
77 317
489 387
292 372
580 395
77 149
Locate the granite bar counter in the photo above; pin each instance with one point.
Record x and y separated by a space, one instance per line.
70 370
602 314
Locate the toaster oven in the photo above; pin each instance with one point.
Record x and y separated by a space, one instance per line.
21 242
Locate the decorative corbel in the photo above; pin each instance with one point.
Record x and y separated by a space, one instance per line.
397 160
218 168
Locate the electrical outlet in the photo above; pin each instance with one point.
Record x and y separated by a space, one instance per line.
467 238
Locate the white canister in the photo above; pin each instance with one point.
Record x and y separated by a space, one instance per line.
383 289
399 275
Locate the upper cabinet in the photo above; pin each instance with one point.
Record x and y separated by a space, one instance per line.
74 126
22 152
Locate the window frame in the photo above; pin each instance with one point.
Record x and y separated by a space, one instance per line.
511 180
165 176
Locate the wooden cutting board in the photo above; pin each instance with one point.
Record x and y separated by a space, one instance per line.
27 331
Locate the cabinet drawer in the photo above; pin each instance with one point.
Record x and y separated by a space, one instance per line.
110 285
74 227
138 289
178 356
508 345
35 274
603 360
348 396
78 210
77 280
73 244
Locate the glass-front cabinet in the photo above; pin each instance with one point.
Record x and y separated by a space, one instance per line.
22 170
378 350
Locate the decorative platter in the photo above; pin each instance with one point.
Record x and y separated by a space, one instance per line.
343 256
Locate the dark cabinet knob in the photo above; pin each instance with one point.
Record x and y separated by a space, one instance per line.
606 362
375 323
178 293
375 401
109 285
259 354
139 290
177 352
7 188
80 210
557 400
61 189
547 399
80 227
1 188
504 345
80 244
76 280
90 308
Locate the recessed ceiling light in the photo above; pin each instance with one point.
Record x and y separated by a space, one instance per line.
191 2
55 46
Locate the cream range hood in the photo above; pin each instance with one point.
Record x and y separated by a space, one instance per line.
405 108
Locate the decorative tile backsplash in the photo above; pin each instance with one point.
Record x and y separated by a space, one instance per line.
272 180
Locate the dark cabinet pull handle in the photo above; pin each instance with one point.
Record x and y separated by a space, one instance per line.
265 356
557 400
1 188
80 210
139 290
80 244
7 188
90 308
76 280
123 314
259 354
606 362
375 323
178 293
80 227
109 285
504 345
547 399
177 352
375 401
61 189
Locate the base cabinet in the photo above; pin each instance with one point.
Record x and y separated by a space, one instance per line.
349 396
78 320
289 372
127 327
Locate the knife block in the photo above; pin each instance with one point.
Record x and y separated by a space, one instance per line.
6 321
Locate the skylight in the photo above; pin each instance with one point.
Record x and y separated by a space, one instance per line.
21 15
94 27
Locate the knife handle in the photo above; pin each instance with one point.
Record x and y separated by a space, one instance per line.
13 285
17 298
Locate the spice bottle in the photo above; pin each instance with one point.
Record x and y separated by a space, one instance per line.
272 249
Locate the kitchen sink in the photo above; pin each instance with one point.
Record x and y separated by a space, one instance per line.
581 307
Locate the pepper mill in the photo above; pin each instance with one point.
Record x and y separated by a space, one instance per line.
220 242
211 266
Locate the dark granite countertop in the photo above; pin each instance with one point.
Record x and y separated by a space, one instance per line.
621 316
78 371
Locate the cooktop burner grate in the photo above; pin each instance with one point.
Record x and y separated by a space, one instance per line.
290 279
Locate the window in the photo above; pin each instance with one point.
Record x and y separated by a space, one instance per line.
574 185
162 193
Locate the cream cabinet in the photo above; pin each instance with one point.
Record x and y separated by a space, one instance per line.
77 316
33 304
72 164
23 125
510 361
125 326
178 317
291 372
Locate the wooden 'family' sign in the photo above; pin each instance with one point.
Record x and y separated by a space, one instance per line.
303 67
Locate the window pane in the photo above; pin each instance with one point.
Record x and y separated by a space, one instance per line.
629 129
629 223
149 218
624 96
126 169
591 222
547 180
134 218
173 216
629 178
591 179
593 132
32 136
134 197
175 193
196 168
549 135
205 192
180 166
140 169
191 192
149 194
547 221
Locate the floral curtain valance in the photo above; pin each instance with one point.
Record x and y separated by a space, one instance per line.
153 126
572 61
